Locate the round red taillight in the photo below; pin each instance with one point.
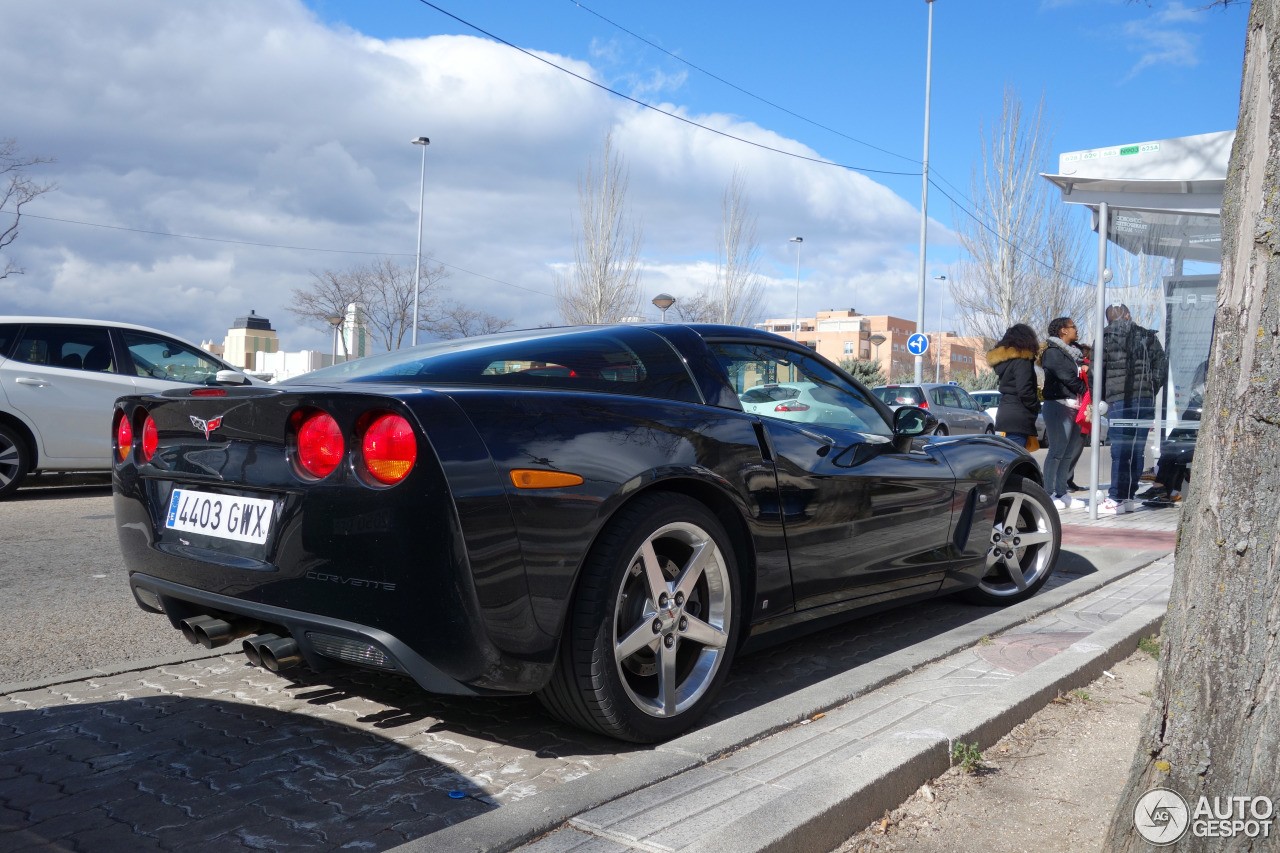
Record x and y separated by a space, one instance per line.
150 439
320 445
124 436
389 449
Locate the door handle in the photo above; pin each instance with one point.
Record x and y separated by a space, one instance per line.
27 380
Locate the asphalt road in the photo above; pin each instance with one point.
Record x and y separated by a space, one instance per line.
64 602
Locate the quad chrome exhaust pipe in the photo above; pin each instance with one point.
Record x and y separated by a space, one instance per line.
272 652
210 632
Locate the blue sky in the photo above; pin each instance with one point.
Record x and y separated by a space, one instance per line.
284 123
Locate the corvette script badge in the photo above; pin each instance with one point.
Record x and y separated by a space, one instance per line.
206 426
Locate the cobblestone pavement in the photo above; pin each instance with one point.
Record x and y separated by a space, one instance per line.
215 754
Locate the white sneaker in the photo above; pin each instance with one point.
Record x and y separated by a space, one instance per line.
1114 507
1067 502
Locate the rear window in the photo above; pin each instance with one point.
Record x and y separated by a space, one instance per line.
637 363
900 395
769 394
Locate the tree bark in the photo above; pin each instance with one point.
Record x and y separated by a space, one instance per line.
1214 728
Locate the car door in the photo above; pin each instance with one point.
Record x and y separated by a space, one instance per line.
62 379
860 517
975 418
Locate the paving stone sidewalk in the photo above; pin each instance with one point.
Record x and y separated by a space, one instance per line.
699 809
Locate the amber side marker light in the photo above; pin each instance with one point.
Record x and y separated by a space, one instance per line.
532 478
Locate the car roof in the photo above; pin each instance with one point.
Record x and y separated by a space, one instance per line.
114 324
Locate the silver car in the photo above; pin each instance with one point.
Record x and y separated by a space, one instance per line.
59 380
956 411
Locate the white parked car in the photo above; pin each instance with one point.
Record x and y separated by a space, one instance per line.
59 380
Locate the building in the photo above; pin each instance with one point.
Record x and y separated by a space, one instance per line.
278 366
247 336
355 333
840 334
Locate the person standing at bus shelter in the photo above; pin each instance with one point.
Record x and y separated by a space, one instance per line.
1133 367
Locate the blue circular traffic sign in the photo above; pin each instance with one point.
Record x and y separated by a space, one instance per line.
918 344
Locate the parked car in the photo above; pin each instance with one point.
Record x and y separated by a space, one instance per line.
590 514
59 380
955 410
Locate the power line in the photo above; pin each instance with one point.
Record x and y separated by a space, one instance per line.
274 246
1012 245
742 90
648 106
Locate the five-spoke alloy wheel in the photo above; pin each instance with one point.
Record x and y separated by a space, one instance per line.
1024 544
654 623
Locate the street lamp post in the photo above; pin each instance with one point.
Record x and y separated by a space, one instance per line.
662 302
335 320
417 261
937 356
876 340
796 328
924 191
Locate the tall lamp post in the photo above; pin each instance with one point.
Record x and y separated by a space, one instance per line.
937 356
417 261
796 328
924 191
335 320
662 302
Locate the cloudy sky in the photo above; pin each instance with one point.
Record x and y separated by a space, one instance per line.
211 157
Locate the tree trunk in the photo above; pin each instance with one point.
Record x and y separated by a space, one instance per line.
1214 729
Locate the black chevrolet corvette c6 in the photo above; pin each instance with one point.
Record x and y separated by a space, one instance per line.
600 515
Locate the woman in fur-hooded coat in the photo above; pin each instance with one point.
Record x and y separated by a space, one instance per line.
1013 360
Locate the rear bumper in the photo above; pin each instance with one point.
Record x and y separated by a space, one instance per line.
324 642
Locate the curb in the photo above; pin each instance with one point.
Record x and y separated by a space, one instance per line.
507 827
825 813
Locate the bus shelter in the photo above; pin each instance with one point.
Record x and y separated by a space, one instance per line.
1159 199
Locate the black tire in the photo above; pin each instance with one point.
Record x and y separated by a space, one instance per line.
622 689
941 430
1024 544
15 460
989 431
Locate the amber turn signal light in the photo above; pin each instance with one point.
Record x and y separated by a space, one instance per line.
532 478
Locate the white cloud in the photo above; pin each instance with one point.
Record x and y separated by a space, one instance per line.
1167 38
251 121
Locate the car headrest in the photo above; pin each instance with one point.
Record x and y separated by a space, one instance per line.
71 360
98 358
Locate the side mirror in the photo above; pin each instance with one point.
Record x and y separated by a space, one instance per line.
911 422
232 377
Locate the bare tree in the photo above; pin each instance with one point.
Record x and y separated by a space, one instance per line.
739 288
455 320
385 289
18 191
603 286
1214 723
1025 260
698 308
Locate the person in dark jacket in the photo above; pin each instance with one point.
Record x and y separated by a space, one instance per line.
1061 360
1134 368
1013 360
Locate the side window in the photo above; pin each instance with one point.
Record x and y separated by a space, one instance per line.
947 397
965 400
8 331
161 358
777 383
71 347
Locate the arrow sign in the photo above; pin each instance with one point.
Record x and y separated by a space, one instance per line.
918 344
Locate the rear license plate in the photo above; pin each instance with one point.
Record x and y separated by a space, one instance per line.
224 516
